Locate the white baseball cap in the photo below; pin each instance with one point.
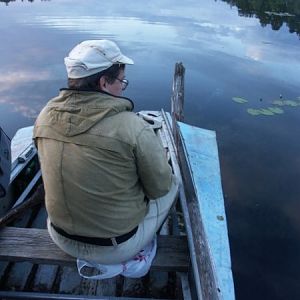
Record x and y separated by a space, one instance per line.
93 56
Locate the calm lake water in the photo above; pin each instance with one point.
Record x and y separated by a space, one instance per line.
227 53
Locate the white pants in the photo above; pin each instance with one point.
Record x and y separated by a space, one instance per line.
158 211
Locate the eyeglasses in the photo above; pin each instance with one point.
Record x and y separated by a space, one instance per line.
124 82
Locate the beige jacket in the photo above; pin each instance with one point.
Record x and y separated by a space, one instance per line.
99 161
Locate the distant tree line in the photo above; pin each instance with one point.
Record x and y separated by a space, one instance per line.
7 1
273 12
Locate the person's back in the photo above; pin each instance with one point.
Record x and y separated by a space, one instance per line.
100 162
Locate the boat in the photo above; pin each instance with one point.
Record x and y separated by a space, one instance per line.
193 257
20 168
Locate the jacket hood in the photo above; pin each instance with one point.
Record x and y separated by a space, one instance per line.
74 112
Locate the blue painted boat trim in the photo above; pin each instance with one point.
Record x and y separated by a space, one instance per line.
201 150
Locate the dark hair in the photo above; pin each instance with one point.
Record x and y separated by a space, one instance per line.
91 83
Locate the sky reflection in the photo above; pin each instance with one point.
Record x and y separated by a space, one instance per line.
166 28
10 79
162 32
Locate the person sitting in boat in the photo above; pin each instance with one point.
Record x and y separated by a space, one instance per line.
108 185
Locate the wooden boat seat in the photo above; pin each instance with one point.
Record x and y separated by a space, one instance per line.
35 246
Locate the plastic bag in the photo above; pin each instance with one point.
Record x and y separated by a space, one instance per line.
137 267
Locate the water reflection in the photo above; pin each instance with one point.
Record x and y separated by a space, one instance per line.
21 80
192 31
131 27
275 13
7 1
10 79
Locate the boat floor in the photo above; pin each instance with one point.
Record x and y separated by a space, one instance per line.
28 277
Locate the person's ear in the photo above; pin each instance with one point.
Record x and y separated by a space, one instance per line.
102 83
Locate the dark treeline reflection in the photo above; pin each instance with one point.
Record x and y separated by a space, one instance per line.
7 1
273 12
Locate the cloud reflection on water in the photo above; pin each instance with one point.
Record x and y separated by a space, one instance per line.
198 27
131 27
14 89
9 80
205 29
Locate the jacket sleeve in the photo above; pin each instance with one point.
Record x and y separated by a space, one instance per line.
153 169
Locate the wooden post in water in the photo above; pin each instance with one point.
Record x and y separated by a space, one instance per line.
177 99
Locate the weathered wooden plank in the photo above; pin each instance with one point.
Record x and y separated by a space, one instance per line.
16 274
185 286
21 274
107 287
159 280
45 275
6 267
35 245
88 286
183 202
98 287
3 265
198 154
47 296
69 281
44 278
133 287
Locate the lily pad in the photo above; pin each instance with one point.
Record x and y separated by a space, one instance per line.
253 111
291 103
266 112
278 102
239 100
276 110
286 103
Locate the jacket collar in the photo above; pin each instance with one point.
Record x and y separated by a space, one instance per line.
101 92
